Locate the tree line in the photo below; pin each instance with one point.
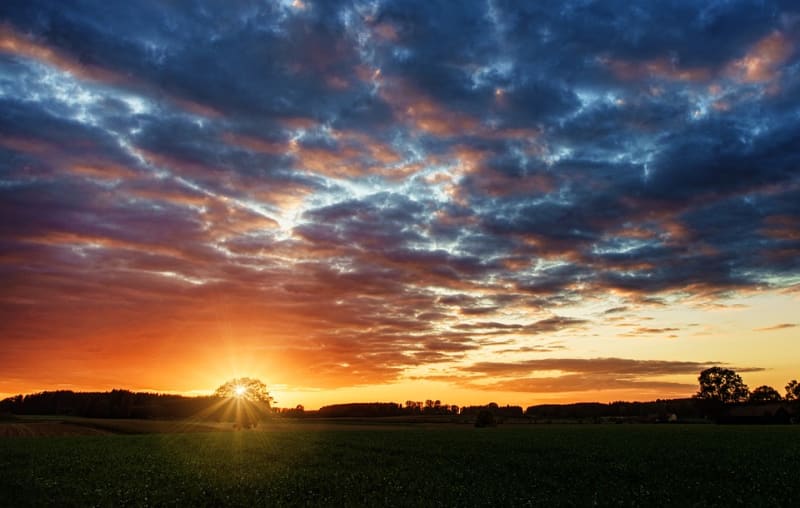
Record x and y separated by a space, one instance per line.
720 390
410 408
127 404
724 398
113 404
725 386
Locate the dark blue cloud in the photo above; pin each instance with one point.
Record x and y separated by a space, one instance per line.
694 35
725 156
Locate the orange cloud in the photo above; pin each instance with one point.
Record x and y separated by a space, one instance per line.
226 218
12 42
104 172
762 62
88 162
386 31
781 227
636 232
18 144
254 144
195 108
95 241
175 195
355 154
337 82
660 68
413 107
340 162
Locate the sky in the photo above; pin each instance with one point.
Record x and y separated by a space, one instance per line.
473 201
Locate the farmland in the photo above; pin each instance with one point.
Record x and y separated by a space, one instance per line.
355 464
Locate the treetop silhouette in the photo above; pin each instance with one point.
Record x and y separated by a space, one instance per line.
723 385
245 388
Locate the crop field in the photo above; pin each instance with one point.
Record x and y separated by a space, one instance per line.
437 465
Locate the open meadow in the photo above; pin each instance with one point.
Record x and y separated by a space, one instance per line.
357 464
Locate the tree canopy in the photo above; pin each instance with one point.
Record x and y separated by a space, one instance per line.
245 388
793 390
765 393
721 385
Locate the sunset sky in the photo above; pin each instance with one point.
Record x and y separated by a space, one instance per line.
472 201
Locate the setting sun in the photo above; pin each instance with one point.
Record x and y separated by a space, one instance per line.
239 390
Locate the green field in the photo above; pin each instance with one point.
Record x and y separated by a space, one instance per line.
436 465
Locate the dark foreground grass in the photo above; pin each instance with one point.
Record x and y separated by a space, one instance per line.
579 465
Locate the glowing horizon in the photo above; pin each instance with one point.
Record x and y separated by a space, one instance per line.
394 201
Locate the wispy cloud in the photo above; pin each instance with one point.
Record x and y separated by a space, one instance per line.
781 326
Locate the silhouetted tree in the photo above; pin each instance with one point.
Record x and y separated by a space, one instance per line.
413 407
765 393
793 390
434 407
247 400
721 385
245 388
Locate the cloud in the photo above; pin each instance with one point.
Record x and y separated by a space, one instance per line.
643 329
579 374
620 366
548 325
579 383
392 186
781 326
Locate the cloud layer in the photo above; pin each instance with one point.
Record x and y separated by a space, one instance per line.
365 190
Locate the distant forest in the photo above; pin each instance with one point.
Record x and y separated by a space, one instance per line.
113 404
127 404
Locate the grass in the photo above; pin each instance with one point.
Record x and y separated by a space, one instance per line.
30 426
443 465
